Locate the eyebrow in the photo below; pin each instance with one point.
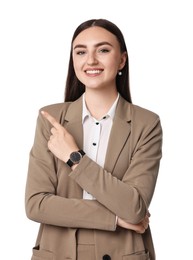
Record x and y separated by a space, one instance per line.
96 45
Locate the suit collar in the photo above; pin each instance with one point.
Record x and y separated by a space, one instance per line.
121 125
74 112
110 113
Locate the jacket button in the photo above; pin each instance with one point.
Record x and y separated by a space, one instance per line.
106 257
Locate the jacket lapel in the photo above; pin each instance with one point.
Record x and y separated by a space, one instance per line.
73 121
119 133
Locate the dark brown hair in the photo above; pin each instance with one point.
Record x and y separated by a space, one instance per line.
74 88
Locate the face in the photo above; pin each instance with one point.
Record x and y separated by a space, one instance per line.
97 58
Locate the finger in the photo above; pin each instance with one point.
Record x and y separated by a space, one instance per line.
148 214
51 137
146 219
53 130
145 224
141 230
51 119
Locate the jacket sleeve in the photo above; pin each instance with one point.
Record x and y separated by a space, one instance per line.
44 204
130 196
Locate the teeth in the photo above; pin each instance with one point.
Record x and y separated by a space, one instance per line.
93 71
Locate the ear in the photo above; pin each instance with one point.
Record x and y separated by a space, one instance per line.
123 60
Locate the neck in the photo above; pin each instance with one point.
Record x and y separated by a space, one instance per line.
99 102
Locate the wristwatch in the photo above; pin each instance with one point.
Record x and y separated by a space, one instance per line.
75 157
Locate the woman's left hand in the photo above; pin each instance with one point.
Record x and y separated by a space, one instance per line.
61 142
139 228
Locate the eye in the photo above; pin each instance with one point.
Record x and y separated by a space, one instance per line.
104 50
80 52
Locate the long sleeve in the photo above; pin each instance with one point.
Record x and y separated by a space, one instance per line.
129 196
52 197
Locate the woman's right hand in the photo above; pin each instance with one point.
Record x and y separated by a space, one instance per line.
139 228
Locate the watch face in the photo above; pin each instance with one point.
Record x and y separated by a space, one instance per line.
75 157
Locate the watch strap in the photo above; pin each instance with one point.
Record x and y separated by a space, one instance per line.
70 162
81 152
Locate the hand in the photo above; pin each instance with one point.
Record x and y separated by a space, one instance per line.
139 228
61 142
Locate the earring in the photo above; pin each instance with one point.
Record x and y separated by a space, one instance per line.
120 73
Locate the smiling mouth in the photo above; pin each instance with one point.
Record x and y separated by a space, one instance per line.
93 72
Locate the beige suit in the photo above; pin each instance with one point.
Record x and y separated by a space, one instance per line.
123 188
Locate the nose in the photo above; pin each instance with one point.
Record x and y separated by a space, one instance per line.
92 59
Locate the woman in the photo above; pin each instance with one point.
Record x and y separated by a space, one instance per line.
95 159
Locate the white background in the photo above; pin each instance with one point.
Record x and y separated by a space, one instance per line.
35 41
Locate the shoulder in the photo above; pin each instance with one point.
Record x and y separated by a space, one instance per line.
142 113
135 113
57 109
141 120
65 111
144 120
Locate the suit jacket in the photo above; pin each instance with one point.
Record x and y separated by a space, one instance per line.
124 187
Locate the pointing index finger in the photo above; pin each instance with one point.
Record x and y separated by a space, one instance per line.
51 119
